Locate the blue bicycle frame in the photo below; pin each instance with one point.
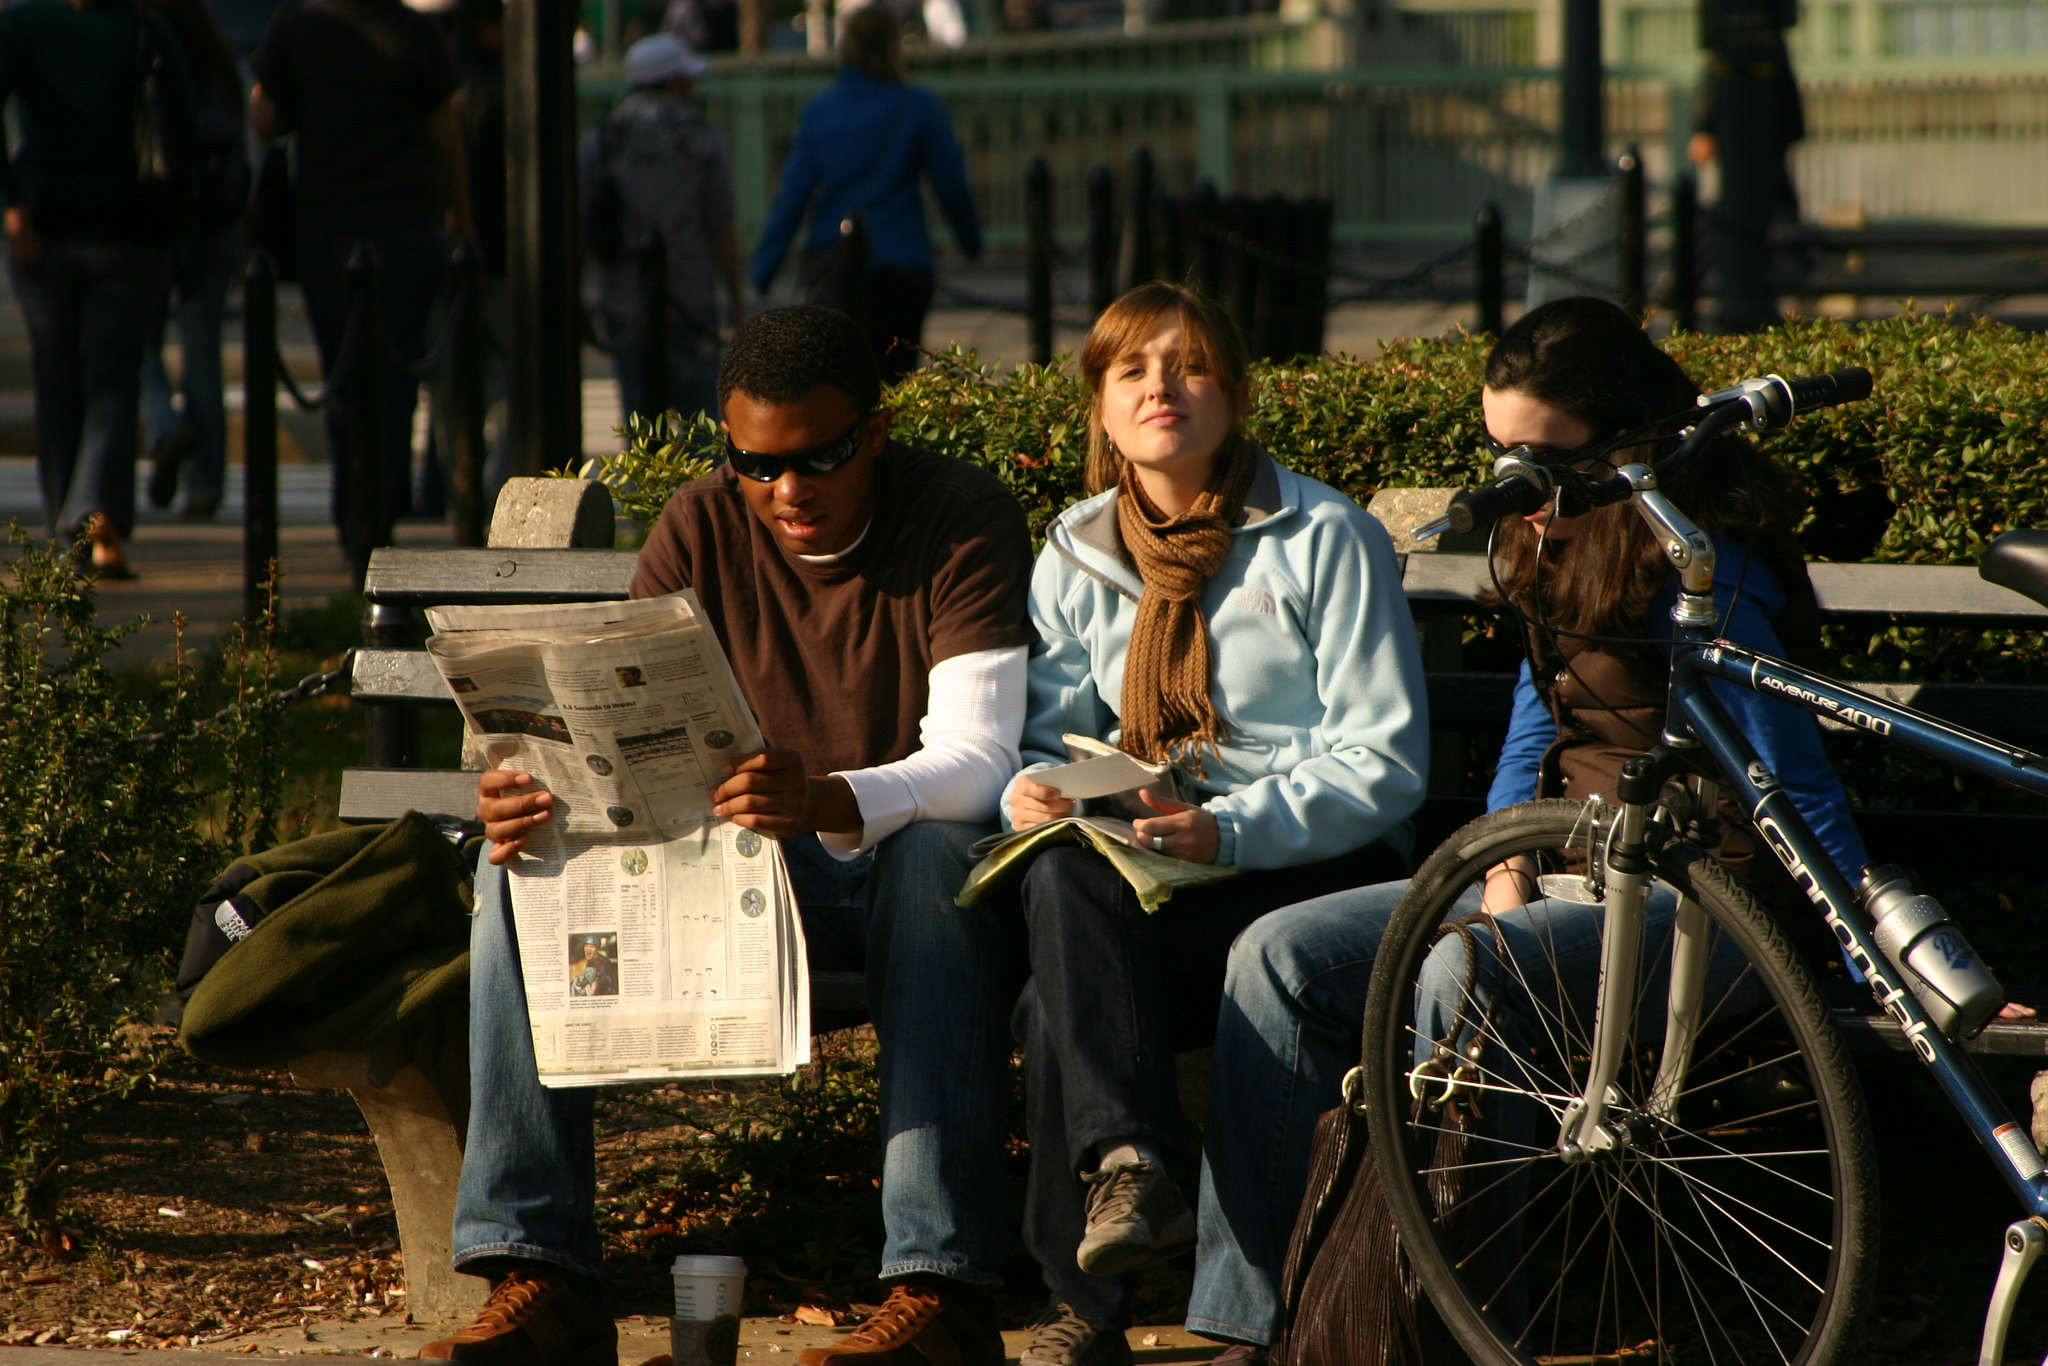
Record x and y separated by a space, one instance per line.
1753 787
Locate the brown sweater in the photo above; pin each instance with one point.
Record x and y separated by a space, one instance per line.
836 659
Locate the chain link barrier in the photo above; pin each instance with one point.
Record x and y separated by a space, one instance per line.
462 300
311 686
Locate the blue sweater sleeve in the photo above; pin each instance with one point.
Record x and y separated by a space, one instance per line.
1531 729
1785 738
948 172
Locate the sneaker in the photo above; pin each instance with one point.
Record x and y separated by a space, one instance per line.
920 1324
1060 1337
1136 1216
536 1316
1240 1354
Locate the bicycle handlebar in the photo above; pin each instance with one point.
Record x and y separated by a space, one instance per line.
1525 484
1516 493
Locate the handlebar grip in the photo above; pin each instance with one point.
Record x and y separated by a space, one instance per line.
1511 495
1825 391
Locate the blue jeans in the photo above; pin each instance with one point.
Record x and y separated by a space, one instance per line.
88 306
1115 993
204 270
941 981
1287 1032
692 375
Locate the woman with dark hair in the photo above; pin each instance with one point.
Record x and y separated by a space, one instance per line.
865 147
1564 379
1210 609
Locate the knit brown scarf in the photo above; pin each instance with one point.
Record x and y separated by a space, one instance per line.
1167 711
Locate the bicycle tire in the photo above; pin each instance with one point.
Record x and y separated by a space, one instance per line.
1742 1227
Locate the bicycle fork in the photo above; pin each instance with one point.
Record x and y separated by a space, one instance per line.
1584 1130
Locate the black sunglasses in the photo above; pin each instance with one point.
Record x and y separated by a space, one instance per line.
822 458
1574 457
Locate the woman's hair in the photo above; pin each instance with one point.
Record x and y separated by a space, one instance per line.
873 41
1590 359
1209 340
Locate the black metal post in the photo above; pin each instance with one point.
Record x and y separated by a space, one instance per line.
466 392
853 262
1038 253
1102 243
1489 269
362 394
1205 220
391 735
543 257
1632 277
1240 224
1582 130
1320 219
1684 300
1140 256
259 431
653 323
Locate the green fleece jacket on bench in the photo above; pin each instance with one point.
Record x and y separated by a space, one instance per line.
365 934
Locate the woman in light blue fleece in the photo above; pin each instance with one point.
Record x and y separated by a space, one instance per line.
1567 375
1210 607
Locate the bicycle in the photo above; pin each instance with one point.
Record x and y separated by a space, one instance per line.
1672 1162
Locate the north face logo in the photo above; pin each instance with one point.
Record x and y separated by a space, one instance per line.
230 921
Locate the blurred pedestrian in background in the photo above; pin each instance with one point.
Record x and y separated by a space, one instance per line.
94 189
655 164
189 440
367 89
476 42
865 146
1747 116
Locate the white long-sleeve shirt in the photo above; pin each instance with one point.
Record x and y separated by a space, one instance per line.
973 720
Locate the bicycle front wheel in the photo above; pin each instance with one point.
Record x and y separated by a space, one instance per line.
1728 1212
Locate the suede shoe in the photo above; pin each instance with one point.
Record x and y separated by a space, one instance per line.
1060 1337
537 1316
922 1323
1136 1216
1240 1354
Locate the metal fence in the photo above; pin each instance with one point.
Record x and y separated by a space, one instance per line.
1413 154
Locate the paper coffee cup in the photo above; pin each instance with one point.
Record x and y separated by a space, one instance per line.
706 1328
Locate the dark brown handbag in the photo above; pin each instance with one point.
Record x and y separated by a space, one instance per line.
1348 1297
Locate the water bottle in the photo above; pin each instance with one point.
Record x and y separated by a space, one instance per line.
1957 991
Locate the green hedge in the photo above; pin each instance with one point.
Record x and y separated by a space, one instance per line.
1955 433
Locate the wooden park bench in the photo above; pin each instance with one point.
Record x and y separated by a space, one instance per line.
550 543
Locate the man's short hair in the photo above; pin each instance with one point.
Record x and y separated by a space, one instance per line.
785 354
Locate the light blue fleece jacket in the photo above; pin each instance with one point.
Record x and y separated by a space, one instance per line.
1317 673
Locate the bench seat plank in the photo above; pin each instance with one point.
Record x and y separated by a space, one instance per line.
2010 1038
434 577
1932 594
385 794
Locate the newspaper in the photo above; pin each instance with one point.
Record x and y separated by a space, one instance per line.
656 939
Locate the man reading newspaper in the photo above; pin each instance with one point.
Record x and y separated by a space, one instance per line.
871 598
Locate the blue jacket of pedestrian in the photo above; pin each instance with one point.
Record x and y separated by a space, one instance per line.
866 144
1751 600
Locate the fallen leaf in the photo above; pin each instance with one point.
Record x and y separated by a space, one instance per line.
817 1315
1150 1340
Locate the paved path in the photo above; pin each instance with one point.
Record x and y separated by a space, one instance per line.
762 1343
